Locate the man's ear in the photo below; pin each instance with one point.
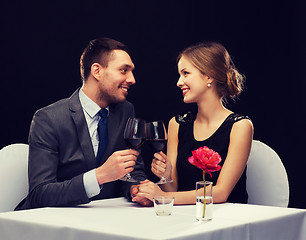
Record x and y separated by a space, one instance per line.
96 70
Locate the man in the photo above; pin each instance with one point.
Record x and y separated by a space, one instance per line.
67 163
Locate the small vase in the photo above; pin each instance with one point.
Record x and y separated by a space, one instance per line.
204 201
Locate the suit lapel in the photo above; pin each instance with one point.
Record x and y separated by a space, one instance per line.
82 130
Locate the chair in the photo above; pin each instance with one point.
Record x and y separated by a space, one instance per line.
13 175
267 182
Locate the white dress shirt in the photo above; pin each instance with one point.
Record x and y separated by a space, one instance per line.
91 109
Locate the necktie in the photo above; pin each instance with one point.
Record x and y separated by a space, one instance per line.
103 135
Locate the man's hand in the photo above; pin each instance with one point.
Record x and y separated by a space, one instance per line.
141 200
116 166
148 190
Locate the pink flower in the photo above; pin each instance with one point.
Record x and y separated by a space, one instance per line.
205 159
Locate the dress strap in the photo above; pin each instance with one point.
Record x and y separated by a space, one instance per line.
186 119
235 117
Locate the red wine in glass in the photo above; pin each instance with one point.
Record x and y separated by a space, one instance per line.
157 138
134 143
157 144
134 137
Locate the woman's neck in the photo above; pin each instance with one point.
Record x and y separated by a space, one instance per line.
211 110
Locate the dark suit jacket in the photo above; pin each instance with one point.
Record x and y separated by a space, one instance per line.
61 152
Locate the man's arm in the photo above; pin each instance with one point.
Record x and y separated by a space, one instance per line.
45 187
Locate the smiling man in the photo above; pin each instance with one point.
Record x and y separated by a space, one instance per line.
69 162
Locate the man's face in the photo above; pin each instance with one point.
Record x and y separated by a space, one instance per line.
116 78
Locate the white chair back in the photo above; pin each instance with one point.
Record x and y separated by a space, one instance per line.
267 181
13 175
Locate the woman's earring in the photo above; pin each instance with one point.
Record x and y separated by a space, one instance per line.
209 85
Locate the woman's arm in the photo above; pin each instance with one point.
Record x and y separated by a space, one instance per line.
149 190
238 153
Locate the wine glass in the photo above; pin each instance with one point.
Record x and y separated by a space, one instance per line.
134 137
156 135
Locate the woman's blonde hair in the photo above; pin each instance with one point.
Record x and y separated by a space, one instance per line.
213 60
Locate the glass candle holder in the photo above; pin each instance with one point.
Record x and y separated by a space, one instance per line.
163 205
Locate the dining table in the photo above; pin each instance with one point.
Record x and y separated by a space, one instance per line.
118 218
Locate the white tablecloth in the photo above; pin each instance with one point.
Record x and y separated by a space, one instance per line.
119 219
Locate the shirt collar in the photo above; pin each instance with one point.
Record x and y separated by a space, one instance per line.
89 106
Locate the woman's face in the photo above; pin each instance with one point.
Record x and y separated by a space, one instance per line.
192 82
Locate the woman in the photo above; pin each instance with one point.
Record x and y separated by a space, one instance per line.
207 77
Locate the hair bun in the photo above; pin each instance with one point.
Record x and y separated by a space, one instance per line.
235 82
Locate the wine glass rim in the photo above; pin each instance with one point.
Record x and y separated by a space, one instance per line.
134 118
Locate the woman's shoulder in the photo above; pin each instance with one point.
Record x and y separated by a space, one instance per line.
185 119
241 123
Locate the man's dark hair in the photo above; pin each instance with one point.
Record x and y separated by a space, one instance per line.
98 51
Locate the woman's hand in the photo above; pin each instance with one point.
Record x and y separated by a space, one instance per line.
148 190
161 165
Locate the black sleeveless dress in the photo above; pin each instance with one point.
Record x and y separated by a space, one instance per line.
189 174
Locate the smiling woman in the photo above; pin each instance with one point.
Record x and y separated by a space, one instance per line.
207 78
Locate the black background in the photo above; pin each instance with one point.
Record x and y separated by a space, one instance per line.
42 43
